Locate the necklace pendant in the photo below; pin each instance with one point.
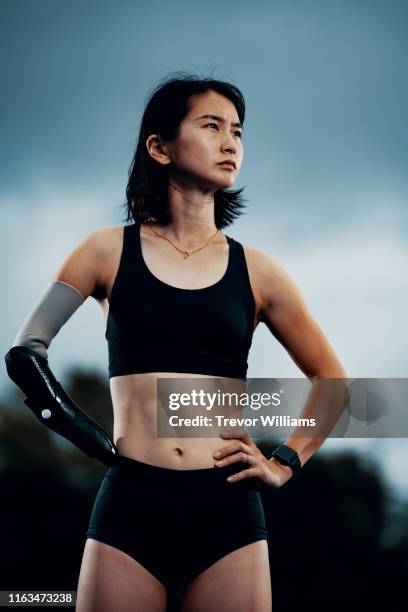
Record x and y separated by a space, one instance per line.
186 254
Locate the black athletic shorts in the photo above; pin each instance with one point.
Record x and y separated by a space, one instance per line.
176 523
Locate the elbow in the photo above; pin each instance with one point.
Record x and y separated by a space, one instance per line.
14 358
329 370
21 362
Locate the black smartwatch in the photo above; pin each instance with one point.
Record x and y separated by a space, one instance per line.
287 456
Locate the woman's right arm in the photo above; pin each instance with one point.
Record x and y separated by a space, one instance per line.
81 275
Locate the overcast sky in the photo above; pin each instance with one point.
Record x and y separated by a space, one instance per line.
325 143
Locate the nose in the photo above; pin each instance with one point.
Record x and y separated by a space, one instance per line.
230 144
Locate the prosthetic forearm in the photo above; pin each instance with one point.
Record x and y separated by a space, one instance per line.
27 365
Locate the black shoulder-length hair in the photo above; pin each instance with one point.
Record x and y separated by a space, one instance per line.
168 104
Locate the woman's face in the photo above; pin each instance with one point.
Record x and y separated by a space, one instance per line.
204 141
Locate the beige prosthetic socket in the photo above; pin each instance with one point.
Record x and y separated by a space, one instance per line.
50 313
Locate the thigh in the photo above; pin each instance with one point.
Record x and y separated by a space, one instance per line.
110 580
238 582
136 520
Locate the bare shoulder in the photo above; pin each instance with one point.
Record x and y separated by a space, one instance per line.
260 262
100 245
271 281
105 239
105 247
89 265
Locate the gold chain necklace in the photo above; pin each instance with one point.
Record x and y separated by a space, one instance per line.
185 253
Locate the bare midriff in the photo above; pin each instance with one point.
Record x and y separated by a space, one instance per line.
135 407
134 396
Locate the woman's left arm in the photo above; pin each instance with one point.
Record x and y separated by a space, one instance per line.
288 318
285 313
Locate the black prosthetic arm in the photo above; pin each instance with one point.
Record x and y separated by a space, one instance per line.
53 406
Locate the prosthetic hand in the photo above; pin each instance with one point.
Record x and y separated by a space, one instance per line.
27 366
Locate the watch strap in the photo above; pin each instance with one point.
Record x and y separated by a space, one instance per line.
287 456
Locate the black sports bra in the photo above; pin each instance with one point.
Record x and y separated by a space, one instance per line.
156 327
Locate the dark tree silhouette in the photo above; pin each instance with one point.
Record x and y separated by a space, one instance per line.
337 537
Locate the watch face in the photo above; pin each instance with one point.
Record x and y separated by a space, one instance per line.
286 453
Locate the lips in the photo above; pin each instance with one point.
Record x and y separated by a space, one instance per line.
228 163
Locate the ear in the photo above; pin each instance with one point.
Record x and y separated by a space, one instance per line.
157 150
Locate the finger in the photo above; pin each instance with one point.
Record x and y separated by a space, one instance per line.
234 447
235 432
245 437
249 473
235 458
230 460
244 447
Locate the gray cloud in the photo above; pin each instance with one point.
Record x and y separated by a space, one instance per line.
325 154
326 87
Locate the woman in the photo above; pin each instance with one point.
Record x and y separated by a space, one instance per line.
181 300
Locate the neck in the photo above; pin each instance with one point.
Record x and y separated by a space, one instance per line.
192 212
